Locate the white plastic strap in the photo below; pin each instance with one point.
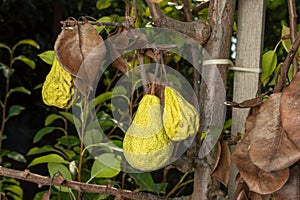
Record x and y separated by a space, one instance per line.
229 62
218 62
245 69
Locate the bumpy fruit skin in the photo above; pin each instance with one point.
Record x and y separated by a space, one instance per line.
146 145
180 118
58 87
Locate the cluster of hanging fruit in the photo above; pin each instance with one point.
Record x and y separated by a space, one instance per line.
148 141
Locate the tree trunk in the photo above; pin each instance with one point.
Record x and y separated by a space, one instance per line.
212 91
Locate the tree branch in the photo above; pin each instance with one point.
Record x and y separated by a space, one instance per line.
201 6
70 22
198 30
187 10
286 64
293 29
81 187
221 17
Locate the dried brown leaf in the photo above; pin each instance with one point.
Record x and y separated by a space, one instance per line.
118 62
242 190
128 40
290 110
3 197
256 196
247 103
270 149
222 169
257 180
292 187
242 195
80 50
46 195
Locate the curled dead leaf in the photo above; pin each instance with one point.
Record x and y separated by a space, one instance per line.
258 181
80 50
221 170
118 61
249 103
290 110
292 187
270 149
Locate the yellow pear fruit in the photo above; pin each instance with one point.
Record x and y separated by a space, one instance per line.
58 87
180 118
146 145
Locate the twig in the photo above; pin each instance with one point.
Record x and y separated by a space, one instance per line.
178 184
143 74
201 6
127 9
5 101
198 30
293 29
286 64
69 22
196 70
83 122
134 11
81 187
187 10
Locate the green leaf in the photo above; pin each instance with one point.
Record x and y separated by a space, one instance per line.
43 149
16 156
276 74
102 97
103 19
103 4
7 72
13 196
44 131
93 136
95 196
106 121
69 154
51 118
39 195
38 86
47 56
28 42
69 140
25 60
10 181
15 110
69 116
107 165
19 89
5 47
4 152
50 158
54 168
286 42
15 189
269 62
145 182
